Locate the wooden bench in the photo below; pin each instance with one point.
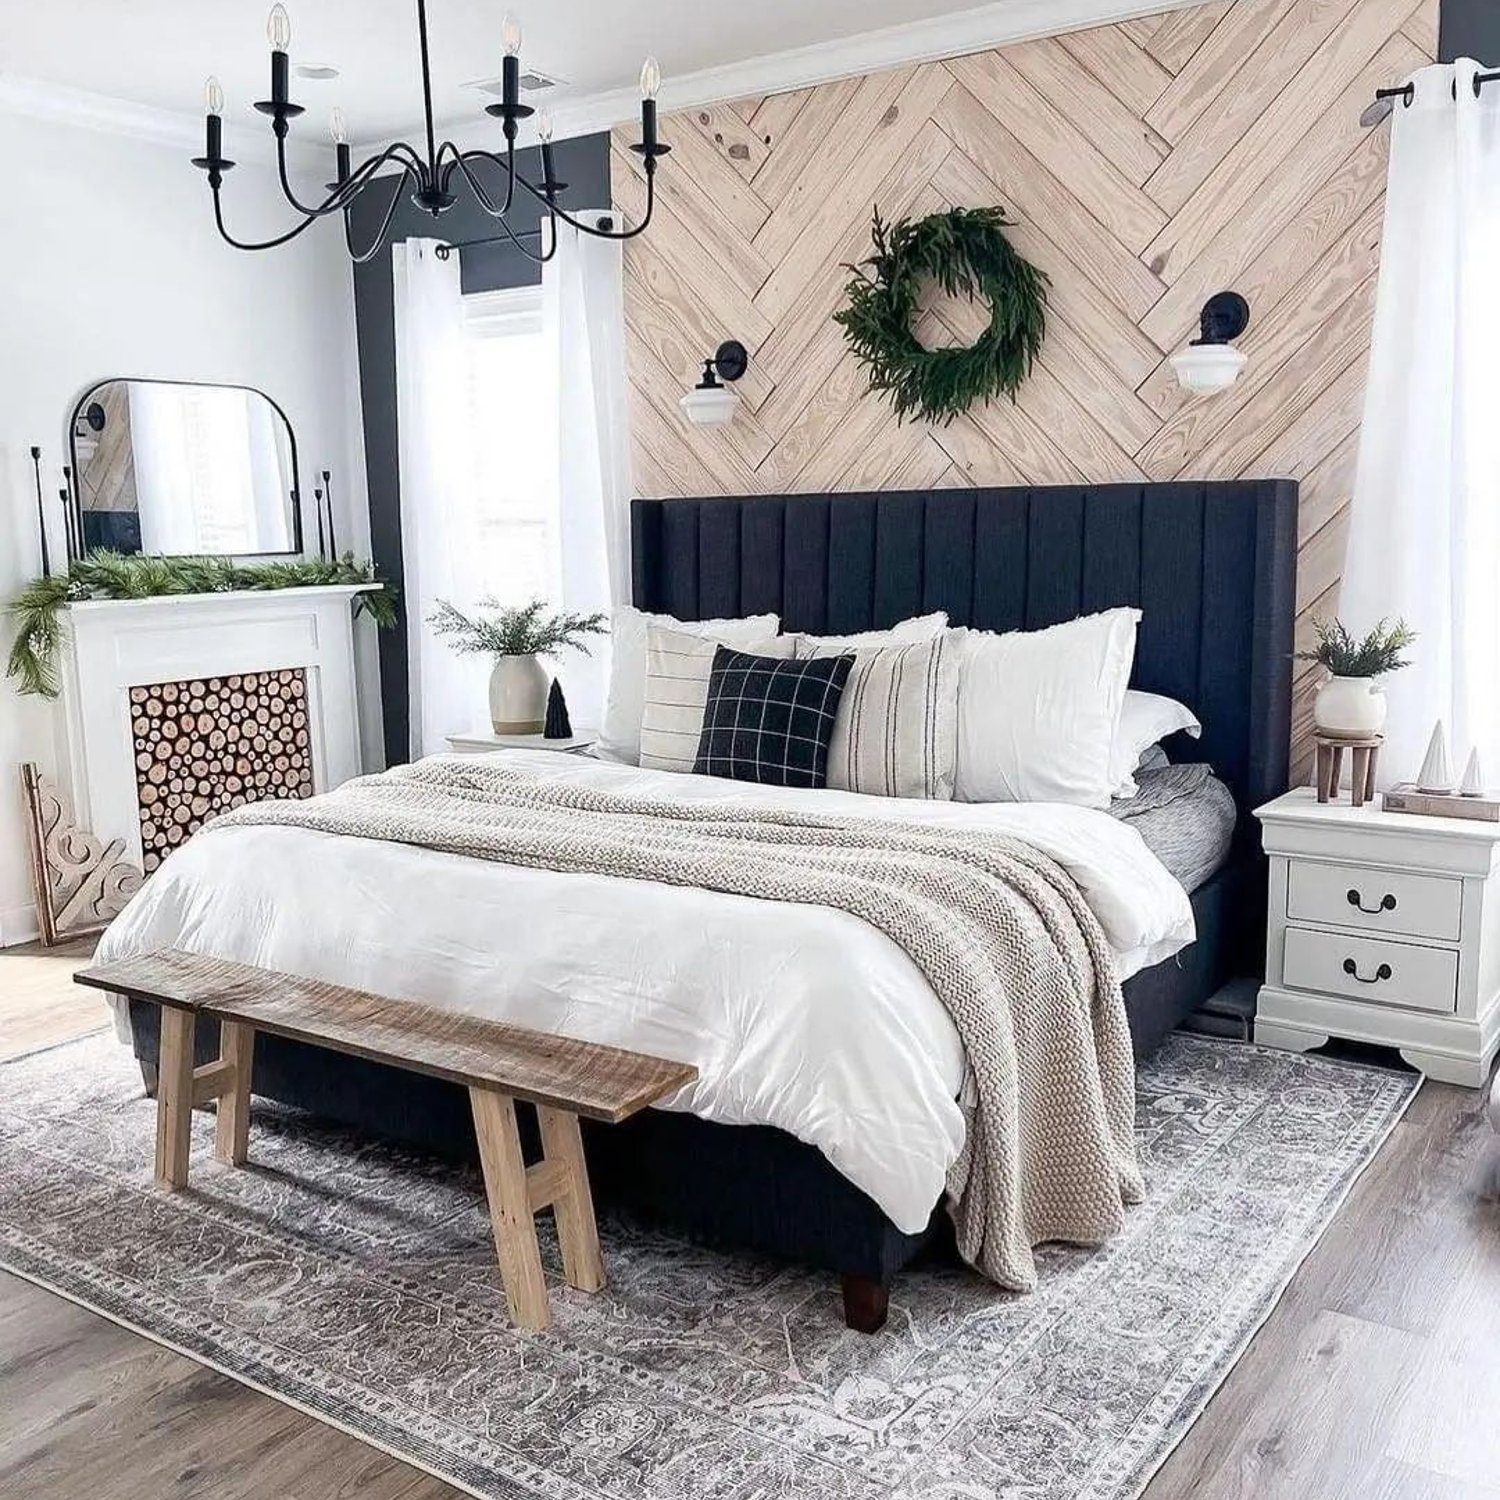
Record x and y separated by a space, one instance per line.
498 1064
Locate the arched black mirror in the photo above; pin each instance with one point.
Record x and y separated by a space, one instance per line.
180 469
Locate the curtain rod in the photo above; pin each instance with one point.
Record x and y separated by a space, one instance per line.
1385 99
444 251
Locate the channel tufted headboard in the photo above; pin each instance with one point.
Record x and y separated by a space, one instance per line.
1212 566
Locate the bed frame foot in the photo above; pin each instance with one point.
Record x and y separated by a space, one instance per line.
148 1077
866 1303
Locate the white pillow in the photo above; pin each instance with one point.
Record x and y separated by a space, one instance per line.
918 628
1038 711
678 667
896 730
620 739
1146 719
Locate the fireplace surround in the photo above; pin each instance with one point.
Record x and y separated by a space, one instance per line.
180 707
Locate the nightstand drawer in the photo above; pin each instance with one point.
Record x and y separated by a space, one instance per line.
1425 906
1371 969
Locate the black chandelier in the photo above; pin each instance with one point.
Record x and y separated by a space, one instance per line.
429 176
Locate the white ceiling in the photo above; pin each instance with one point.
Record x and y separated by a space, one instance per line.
158 52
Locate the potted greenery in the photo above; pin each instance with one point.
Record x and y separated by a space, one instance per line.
515 635
1350 703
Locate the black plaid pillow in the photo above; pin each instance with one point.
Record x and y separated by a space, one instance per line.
769 720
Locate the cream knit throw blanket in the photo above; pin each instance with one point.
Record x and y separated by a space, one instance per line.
1000 932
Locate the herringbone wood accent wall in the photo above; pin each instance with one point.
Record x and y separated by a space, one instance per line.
1148 165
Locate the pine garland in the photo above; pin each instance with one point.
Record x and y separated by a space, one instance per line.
40 609
965 252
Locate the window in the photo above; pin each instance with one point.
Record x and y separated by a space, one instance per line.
513 417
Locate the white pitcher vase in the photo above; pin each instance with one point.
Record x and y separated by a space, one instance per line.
518 695
1352 707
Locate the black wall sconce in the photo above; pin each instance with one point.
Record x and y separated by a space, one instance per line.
710 403
1211 362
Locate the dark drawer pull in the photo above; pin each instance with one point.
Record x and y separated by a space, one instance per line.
1387 903
1352 970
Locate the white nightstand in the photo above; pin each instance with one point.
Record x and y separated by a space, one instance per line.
482 741
1382 928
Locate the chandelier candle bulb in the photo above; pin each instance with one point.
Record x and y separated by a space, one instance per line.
338 128
650 86
213 139
544 135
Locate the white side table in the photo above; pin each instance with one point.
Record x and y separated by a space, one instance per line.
483 741
1382 928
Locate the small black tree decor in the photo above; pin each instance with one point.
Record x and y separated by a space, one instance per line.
558 725
965 252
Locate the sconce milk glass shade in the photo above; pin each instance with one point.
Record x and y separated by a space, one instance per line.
1206 368
713 406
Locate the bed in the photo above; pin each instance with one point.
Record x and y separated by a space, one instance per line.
1212 568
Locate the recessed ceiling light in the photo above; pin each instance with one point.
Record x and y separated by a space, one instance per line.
318 72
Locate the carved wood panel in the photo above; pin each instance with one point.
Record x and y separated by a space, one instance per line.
1149 164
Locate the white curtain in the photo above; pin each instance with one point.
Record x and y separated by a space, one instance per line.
583 316
442 557
1424 540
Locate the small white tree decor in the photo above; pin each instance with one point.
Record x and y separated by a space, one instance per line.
516 636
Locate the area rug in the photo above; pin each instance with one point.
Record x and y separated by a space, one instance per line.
356 1281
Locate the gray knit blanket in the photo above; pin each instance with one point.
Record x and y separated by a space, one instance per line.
999 930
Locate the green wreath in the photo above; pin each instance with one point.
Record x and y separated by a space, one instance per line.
966 253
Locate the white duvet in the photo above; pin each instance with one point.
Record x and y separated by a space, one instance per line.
797 1016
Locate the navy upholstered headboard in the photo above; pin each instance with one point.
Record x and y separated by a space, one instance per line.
1212 566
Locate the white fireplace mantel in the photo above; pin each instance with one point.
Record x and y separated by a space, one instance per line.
114 645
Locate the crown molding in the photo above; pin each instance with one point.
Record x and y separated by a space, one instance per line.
994 25
81 109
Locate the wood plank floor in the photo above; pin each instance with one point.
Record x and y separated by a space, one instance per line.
1377 1377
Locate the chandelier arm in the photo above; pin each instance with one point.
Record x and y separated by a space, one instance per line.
507 165
361 258
272 244
344 193
536 260
582 228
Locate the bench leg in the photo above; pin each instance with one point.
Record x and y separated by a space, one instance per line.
232 1132
573 1206
510 1207
174 1097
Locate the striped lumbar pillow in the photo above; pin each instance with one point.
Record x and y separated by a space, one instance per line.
678 666
896 734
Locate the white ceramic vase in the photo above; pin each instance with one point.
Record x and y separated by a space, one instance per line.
518 695
1354 707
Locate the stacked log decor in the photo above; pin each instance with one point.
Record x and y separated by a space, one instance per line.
203 747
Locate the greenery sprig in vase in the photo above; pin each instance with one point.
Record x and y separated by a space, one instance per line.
516 635
1350 703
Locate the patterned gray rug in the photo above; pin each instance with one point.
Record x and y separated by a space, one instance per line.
356 1281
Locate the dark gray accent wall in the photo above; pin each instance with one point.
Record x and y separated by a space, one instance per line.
584 165
1471 28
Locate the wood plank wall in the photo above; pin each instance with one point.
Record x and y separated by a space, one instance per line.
1149 164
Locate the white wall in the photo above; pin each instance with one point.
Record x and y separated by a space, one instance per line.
110 265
